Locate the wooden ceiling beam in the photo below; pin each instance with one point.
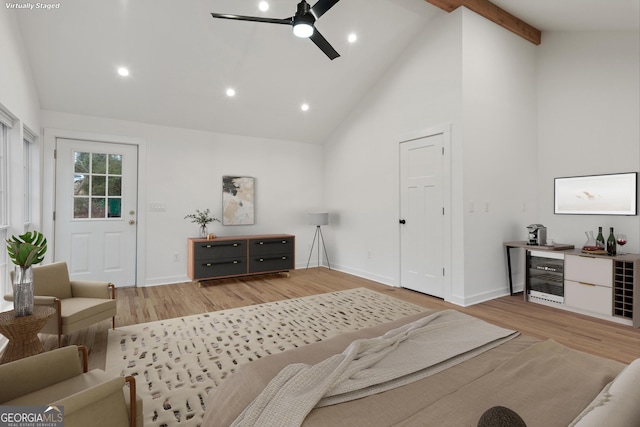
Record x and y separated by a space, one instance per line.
493 13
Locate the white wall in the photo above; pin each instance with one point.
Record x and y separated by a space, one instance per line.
18 93
184 170
589 109
422 90
500 156
480 78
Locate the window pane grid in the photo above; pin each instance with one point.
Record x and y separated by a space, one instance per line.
97 185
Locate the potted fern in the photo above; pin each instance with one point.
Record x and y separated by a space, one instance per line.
25 251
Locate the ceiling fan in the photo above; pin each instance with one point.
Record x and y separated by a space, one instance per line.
302 23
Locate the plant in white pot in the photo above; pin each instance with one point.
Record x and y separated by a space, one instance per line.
25 251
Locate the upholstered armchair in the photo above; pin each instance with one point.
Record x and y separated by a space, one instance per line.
78 304
60 378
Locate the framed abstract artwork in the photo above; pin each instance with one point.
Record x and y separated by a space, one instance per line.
238 195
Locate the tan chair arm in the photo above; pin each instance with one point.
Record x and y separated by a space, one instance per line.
37 372
133 410
37 299
84 356
106 397
90 289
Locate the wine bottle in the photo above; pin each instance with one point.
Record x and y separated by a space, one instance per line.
611 243
600 239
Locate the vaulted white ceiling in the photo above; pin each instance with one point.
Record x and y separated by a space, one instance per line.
181 60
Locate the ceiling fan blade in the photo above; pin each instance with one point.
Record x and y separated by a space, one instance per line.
322 6
324 45
286 21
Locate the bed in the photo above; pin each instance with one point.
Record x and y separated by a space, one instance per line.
543 382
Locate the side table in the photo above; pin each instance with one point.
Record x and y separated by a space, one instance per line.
22 332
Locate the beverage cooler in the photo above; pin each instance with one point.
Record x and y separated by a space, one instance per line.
545 277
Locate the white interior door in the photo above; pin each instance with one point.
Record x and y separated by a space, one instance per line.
96 210
422 225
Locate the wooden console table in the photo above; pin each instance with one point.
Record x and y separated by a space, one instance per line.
22 332
525 245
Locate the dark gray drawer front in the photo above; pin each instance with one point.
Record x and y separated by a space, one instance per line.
259 264
220 267
225 249
262 247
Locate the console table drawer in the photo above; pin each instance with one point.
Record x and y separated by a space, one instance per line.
219 267
265 247
223 249
586 269
270 263
596 299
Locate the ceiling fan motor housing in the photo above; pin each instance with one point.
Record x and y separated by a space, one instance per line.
303 20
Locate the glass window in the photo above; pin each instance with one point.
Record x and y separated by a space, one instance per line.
97 185
5 288
4 197
26 159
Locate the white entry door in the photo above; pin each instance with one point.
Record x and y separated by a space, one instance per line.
422 221
96 210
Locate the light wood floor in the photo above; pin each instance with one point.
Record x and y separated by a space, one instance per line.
146 304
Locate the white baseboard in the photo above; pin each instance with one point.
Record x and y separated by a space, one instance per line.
169 280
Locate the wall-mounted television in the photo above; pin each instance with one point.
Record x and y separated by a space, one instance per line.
611 194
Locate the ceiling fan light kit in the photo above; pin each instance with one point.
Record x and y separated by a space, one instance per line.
302 23
302 27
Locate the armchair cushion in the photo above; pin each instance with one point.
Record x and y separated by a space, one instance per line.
52 280
81 313
26 375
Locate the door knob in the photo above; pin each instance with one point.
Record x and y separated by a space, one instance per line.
402 221
132 221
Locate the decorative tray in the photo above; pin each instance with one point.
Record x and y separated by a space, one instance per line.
596 252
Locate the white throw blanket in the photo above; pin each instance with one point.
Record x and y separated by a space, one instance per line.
368 366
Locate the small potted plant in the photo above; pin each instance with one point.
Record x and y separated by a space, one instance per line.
25 250
202 218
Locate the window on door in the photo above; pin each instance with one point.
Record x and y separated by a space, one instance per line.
97 185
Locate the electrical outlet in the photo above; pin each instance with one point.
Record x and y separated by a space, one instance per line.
176 257
369 254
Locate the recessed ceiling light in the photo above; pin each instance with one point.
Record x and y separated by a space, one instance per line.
123 71
352 38
304 107
263 6
231 92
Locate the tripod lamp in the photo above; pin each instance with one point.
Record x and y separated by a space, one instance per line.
318 219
